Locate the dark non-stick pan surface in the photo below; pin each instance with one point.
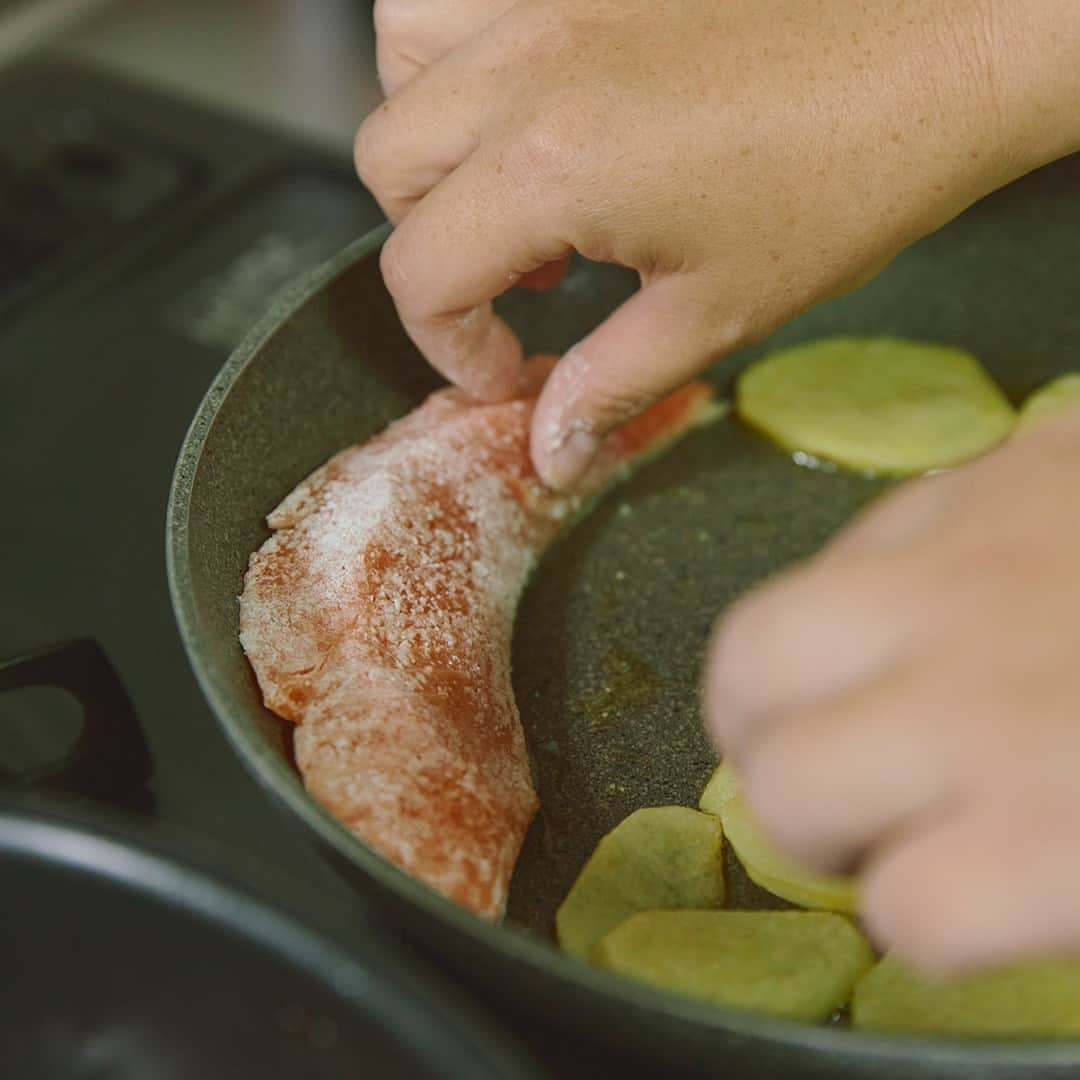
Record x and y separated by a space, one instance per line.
610 634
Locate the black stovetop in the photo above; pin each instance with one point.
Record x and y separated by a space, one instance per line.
139 238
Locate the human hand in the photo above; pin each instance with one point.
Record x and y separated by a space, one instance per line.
907 704
410 35
747 159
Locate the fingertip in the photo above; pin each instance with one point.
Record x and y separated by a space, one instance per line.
563 441
911 918
941 900
498 362
494 370
980 887
474 349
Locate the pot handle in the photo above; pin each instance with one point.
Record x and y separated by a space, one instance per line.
109 759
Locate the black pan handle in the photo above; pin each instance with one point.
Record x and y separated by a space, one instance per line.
109 759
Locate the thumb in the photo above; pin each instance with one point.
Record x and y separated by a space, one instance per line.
665 334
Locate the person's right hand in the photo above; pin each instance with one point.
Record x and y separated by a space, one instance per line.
747 157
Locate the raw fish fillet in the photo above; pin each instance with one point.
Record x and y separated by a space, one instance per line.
378 618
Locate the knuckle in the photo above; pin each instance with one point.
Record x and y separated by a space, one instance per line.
536 149
549 147
738 655
368 156
393 263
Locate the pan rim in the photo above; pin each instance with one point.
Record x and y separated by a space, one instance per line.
263 764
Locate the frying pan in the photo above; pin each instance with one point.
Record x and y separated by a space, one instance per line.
610 634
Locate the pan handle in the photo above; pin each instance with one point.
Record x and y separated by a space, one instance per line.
109 759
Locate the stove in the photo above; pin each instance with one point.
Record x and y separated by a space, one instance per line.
143 229
138 241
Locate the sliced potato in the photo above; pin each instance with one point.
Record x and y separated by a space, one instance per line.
797 964
876 404
659 857
1041 998
767 866
1062 393
722 788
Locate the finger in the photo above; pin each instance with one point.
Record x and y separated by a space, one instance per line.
465 243
398 155
655 342
903 516
409 144
811 634
981 888
413 34
831 781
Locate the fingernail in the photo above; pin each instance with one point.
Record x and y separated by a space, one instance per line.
567 462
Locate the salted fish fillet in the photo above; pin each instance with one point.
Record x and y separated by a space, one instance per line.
378 618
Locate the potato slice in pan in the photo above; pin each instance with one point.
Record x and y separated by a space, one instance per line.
797 964
876 404
721 789
767 866
1049 400
659 857
1034 999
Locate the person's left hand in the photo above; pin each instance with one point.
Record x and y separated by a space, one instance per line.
907 705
